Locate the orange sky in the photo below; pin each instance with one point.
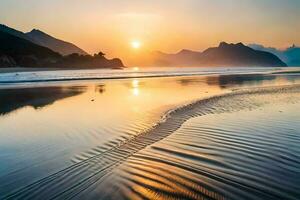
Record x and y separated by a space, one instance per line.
167 25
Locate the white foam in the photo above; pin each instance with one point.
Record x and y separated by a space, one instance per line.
67 75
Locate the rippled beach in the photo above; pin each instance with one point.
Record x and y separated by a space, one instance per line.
228 136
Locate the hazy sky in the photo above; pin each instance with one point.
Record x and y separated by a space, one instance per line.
167 25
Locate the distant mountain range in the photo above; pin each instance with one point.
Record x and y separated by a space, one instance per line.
291 55
17 50
38 49
223 55
40 38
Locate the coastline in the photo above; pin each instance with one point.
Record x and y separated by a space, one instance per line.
34 75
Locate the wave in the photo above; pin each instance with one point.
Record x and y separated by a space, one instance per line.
77 75
87 173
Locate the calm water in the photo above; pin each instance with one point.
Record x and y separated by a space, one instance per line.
112 139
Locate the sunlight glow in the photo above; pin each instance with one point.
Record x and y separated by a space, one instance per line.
135 85
136 91
136 44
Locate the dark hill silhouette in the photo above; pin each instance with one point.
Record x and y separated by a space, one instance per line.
223 55
19 52
291 55
40 38
16 51
13 32
43 39
88 61
182 58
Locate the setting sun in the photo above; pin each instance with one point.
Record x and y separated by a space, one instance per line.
136 44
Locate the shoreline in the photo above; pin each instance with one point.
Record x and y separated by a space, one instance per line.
30 83
10 77
21 75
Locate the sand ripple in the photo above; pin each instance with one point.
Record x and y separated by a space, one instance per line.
197 161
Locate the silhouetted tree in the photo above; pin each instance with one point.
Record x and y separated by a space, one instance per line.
100 54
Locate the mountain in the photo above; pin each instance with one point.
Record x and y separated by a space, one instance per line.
40 38
291 55
223 55
12 31
19 52
16 51
43 39
184 57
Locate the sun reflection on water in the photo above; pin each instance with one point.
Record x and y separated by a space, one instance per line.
135 87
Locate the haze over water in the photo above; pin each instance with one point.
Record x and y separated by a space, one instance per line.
112 139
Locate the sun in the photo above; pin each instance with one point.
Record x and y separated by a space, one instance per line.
136 44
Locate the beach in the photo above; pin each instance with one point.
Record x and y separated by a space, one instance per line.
149 100
233 135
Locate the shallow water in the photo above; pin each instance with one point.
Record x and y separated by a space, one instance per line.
102 139
222 151
68 75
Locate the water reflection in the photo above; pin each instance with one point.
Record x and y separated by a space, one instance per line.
100 88
13 99
239 80
135 87
74 134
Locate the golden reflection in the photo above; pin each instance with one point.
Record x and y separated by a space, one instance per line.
135 87
135 83
145 174
136 92
121 99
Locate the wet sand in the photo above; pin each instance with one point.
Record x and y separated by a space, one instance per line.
243 145
223 137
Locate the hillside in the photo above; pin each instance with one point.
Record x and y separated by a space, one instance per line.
223 55
19 52
16 51
43 39
239 55
291 55
40 38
